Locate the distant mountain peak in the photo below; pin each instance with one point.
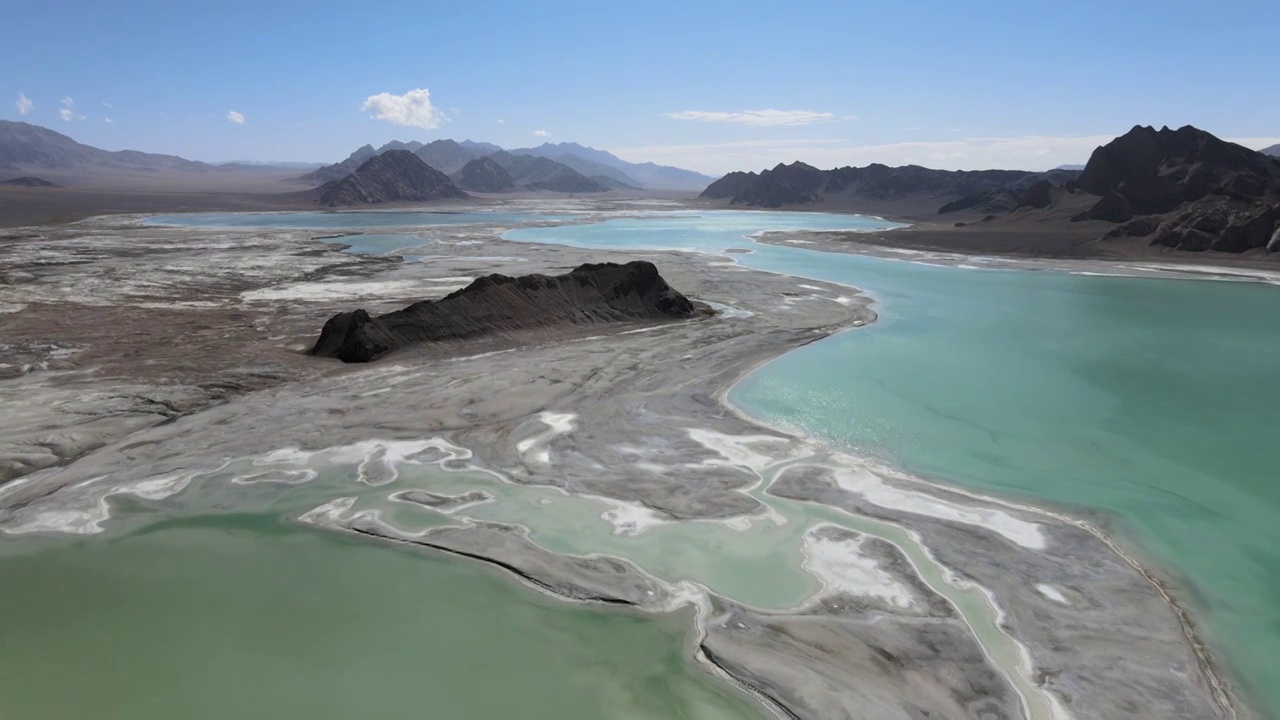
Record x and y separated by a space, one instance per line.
392 176
485 175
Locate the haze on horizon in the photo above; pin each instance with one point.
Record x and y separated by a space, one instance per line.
712 87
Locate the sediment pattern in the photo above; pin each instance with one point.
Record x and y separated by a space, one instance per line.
825 585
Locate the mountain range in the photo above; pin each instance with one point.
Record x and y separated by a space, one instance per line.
1184 189
24 146
571 167
27 149
392 176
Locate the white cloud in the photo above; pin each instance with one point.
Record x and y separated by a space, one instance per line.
759 118
541 133
501 121
235 117
107 120
106 105
24 104
1028 152
413 109
68 111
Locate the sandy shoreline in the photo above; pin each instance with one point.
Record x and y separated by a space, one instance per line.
601 382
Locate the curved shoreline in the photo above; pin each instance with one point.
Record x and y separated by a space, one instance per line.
1211 666
1223 695
788 344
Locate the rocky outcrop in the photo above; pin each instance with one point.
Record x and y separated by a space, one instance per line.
29 182
1113 207
498 304
729 185
1038 194
485 176
792 184
393 176
1157 171
1188 190
1218 226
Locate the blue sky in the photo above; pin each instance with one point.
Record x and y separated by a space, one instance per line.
957 85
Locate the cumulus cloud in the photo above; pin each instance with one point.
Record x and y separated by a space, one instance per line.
235 117
68 111
541 133
24 104
106 105
501 121
412 109
759 118
1026 152
107 120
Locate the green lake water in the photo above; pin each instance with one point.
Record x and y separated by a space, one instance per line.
1152 401
242 617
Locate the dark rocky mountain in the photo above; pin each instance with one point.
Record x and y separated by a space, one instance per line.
393 176
1185 189
1039 194
447 156
29 182
648 175
24 146
539 173
484 175
730 185
497 304
598 166
337 171
798 184
1273 151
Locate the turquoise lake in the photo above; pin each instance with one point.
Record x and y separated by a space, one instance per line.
1153 400
1150 401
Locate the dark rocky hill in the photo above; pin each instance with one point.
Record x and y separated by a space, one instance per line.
539 173
29 182
1185 189
491 306
484 175
393 176
798 184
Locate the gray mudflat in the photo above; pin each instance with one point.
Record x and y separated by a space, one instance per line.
189 350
